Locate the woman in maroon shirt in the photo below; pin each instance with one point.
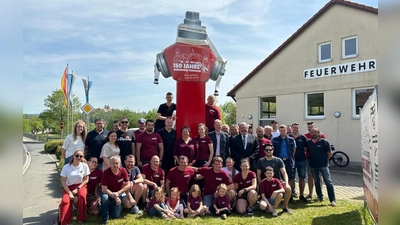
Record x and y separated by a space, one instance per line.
186 146
245 184
206 148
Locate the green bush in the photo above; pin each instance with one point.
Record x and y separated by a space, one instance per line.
51 146
60 165
58 152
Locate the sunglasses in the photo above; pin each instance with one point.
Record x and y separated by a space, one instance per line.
93 162
124 122
268 150
78 156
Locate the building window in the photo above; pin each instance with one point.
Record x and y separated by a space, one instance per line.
360 96
268 107
349 47
315 105
325 52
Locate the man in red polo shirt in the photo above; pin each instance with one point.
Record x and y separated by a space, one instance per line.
148 144
115 187
153 176
212 113
180 177
214 176
261 142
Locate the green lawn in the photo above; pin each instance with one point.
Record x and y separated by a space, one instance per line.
346 212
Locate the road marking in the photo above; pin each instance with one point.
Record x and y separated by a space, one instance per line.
28 160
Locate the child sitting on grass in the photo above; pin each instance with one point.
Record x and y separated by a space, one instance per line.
221 204
271 192
195 203
157 207
173 203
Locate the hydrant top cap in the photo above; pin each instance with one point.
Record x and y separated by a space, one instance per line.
192 18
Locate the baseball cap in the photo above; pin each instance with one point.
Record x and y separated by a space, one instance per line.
141 120
274 121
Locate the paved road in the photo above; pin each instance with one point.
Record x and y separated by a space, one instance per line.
42 189
23 155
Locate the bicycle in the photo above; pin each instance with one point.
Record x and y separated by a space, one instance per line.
340 158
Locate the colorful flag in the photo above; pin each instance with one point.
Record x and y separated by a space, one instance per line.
71 80
86 85
64 85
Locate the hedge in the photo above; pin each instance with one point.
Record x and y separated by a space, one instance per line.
51 146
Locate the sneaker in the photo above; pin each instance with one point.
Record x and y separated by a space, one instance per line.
203 213
190 215
250 211
287 210
294 195
274 213
333 203
223 216
104 222
135 210
164 216
308 197
319 199
303 198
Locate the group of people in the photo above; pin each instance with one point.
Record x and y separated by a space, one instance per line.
222 168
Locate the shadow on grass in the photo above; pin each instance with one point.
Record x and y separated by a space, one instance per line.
348 218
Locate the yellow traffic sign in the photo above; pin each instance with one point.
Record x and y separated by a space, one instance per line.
87 108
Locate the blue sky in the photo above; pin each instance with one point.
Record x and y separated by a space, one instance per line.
115 44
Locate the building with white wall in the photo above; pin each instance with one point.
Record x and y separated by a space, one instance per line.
324 72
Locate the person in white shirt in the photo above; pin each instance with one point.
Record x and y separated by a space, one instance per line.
275 129
109 149
229 169
74 141
74 177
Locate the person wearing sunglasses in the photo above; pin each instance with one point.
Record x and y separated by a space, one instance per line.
74 177
126 140
279 173
93 187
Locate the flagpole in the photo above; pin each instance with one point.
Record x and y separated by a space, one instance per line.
67 124
87 115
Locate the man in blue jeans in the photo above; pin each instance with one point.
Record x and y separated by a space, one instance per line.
300 159
285 148
319 153
116 190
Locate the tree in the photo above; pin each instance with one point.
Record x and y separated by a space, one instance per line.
228 111
56 111
26 125
35 124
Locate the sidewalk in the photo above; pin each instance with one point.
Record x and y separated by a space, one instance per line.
42 188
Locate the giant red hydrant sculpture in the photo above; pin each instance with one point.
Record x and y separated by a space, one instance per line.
191 61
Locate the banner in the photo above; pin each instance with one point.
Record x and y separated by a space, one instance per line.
87 85
64 85
71 80
369 153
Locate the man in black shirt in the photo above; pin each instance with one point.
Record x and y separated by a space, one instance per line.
164 110
95 140
125 139
168 136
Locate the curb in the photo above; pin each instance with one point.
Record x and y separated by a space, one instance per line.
55 161
28 160
346 172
